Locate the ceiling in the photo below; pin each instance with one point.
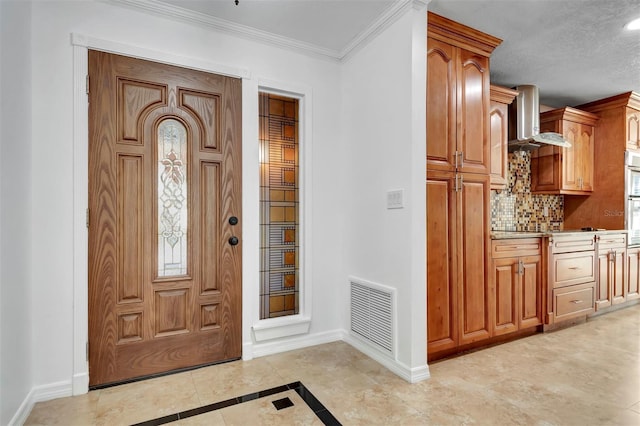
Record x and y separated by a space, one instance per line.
575 51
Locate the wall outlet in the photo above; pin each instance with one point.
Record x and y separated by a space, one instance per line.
395 199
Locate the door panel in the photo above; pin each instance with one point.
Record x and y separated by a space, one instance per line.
473 241
473 95
441 288
603 284
618 274
531 292
164 177
633 274
441 105
505 280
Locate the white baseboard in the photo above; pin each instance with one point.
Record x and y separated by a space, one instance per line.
37 394
80 383
410 374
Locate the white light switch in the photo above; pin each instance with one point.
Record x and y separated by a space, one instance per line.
545 211
395 199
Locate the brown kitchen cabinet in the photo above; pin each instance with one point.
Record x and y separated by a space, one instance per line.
457 259
500 98
557 170
458 185
632 281
571 276
633 129
617 129
457 96
612 264
516 287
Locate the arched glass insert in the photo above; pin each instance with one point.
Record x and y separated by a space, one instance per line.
172 198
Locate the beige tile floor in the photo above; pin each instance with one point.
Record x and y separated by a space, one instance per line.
588 374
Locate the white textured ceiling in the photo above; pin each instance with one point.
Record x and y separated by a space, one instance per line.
575 51
329 24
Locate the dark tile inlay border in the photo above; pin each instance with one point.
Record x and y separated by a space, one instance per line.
312 402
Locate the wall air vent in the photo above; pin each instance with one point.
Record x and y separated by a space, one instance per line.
373 314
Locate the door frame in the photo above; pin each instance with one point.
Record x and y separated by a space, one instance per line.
81 45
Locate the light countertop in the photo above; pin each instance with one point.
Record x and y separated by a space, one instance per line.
503 235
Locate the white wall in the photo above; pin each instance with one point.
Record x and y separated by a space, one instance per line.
384 89
53 160
367 137
15 199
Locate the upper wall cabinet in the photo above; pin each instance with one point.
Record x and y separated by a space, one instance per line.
619 119
458 96
617 130
501 97
556 170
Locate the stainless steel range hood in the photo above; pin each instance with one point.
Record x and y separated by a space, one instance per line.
524 120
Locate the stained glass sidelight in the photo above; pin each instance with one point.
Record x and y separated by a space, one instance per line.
172 198
279 222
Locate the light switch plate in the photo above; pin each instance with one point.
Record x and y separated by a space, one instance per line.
395 199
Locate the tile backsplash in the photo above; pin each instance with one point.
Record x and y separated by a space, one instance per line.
517 209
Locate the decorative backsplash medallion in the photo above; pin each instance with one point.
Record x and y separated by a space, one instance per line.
516 209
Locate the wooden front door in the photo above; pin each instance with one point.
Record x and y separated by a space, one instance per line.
164 218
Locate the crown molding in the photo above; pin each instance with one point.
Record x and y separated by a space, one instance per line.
388 17
393 12
184 15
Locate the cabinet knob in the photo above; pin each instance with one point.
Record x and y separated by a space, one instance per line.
234 241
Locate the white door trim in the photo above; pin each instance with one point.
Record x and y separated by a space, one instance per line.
81 45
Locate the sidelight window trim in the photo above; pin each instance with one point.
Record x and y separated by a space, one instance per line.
290 325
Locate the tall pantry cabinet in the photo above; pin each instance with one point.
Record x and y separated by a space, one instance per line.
458 184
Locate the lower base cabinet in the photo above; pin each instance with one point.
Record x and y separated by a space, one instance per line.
572 276
633 273
516 285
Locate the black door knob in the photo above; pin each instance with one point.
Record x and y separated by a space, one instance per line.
234 241
233 220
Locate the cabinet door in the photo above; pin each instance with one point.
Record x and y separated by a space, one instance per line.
505 296
603 283
633 129
442 325
585 164
441 105
633 274
618 266
498 128
473 112
530 292
571 157
473 248
546 168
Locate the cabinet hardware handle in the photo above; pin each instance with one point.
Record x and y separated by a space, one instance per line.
577 301
574 267
455 159
461 159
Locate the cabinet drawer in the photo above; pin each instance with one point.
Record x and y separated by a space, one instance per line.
566 244
612 241
573 301
516 247
572 268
